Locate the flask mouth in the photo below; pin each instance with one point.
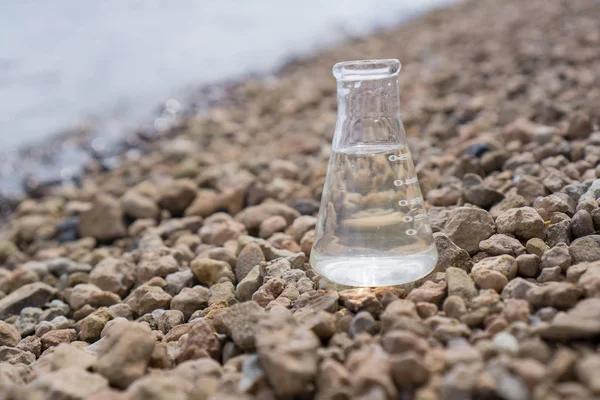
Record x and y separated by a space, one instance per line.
366 69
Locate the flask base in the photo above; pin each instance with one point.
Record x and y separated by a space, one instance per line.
375 271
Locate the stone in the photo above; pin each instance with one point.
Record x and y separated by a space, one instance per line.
333 381
579 126
363 322
269 291
114 275
300 226
205 203
200 341
450 255
580 322
145 299
9 335
455 306
104 221
177 196
159 386
288 354
253 216
395 311
582 224
460 284
250 284
222 292
91 326
536 246
219 228
585 369
500 244
177 281
590 280
86 293
209 271
399 341
250 256
322 323
528 265
240 322
429 292
468 226
27 320
551 274
13 355
318 300
592 193
136 205
31 295
409 370
31 344
124 353
494 272
561 295
190 300
517 289
271 225
152 264
559 232
371 373
558 202
558 256
71 383
474 191
357 300
54 337
524 223
585 249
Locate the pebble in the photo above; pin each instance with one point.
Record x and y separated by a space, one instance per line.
524 223
528 265
582 224
450 255
104 220
460 284
467 226
9 335
502 244
30 295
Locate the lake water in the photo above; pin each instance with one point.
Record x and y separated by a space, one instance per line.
69 61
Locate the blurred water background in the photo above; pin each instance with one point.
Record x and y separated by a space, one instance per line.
110 63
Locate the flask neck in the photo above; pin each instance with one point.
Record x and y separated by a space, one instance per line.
368 105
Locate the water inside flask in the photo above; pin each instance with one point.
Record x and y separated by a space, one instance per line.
372 228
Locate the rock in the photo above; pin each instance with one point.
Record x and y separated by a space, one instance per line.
517 289
135 205
363 322
31 295
525 223
300 226
88 294
536 246
206 203
450 255
322 323
501 244
190 300
240 323
31 344
222 292
494 272
250 256
91 326
168 319
13 355
454 306
357 300
219 228
559 232
370 369
460 284
579 126
333 381
199 342
557 256
253 216
288 354
271 225
55 337
67 356
409 370
580 322
104 221
558 202
177 196
429 292
209 271
145 299
154 263
159 386
467 226
528 265
177 281
585 249
318 300
9 335
69 384
589 280
585 370
551 274
475 192
124 353
27 320
114 275
561 295
250 284
582 224
269 291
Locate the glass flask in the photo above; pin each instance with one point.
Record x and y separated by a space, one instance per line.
372 228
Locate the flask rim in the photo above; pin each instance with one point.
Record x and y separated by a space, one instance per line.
359 70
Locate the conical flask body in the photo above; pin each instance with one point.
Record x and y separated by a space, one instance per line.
372 228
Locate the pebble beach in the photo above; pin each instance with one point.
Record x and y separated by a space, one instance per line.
181 271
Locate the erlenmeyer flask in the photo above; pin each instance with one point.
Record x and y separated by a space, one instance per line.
372 228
